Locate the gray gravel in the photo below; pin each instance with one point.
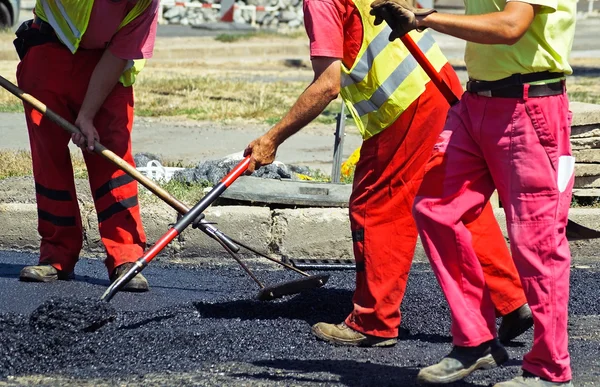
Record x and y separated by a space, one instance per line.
201 326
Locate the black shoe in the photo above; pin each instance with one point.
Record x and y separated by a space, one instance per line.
42 273
515 324
136 284
462 361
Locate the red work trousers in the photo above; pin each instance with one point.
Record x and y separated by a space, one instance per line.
50 73
387 177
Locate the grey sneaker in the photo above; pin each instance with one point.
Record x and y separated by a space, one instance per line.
139 283
462 361
530 380
515 324
342 334
42 273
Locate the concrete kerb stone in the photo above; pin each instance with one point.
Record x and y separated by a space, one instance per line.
311 233
19 226
585 113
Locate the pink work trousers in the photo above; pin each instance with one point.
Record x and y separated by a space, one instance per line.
520 146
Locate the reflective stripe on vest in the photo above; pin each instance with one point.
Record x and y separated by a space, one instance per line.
385 79
70 19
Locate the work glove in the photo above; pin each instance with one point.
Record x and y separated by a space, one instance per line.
399 15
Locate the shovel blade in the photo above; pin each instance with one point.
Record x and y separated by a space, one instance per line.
292 287
576 232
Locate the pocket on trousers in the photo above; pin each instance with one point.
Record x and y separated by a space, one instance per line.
542 130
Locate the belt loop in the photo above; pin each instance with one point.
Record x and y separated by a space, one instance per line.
519 79
526 92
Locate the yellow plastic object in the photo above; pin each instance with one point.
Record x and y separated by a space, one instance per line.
303 177
348 166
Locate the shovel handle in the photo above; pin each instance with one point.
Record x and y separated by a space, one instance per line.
118 161
177 228
98 148
426 65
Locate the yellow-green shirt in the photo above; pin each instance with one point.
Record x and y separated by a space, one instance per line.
546 45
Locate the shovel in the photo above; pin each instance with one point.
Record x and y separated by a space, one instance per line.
266 293
574 231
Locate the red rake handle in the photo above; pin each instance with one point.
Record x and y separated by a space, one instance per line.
177 229
436 78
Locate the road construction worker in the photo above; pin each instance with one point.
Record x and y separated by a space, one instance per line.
510 131
81 58
400 114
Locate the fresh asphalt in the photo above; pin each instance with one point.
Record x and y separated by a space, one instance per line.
201 326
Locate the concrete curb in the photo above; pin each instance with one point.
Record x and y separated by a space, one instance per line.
318 235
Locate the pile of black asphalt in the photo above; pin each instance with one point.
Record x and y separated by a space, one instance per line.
206 321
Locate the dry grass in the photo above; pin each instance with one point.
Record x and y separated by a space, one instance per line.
18 163
8 102
585 89
212 98
229 38
250 77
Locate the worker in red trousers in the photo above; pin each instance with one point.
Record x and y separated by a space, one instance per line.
81 58
400 115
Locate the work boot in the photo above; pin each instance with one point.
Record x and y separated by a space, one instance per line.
342 334
462 361
515 323
136 284
530 380
42 273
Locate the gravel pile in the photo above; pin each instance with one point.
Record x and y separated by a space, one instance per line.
280 14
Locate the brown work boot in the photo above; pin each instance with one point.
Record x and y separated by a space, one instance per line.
462 361
136 284
515 324
42 273
530 380
342 334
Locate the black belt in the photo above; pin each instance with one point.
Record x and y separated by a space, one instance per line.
516 91
512 87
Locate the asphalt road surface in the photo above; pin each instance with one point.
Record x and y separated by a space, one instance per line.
201 326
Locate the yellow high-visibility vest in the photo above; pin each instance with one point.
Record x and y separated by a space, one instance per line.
70 19
385 78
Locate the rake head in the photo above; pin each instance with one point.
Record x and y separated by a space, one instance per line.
292 287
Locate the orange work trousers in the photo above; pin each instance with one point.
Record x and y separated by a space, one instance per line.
50 73
387 177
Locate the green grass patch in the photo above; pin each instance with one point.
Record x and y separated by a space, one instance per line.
184 192
11 107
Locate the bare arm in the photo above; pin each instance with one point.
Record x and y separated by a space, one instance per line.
324 88
503 27
104 78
